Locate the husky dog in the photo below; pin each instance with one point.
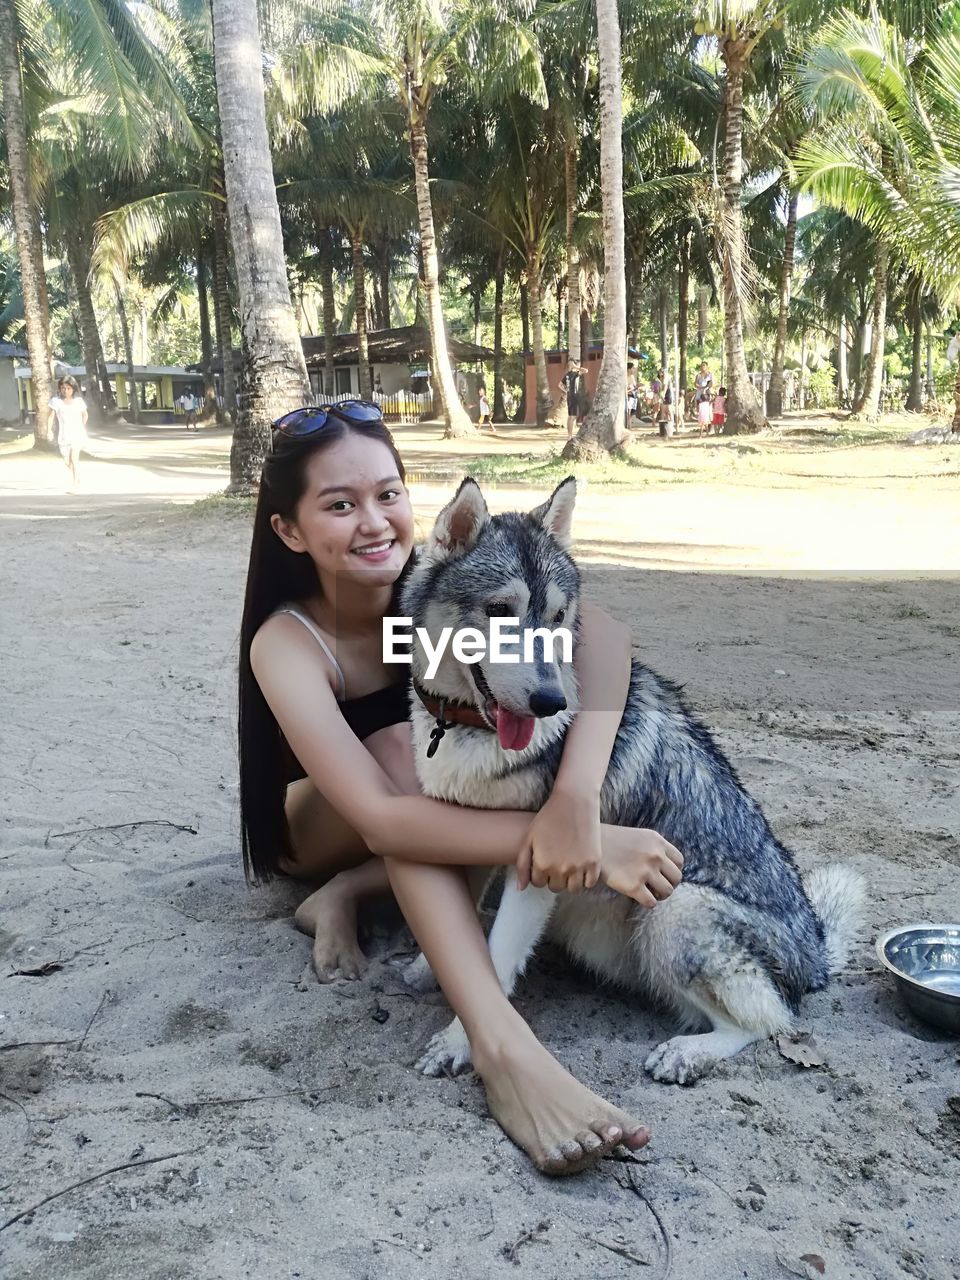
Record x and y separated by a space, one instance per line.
742 938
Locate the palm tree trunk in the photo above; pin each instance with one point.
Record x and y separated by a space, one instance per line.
224 326
329 314
662 319
604 427
743 408
915 394
703 302
544 405
683 310
133 400
383 274
365 374
521 414
802 390
955 424
868 404
456 420
843 372
98 385
573 253
499 411
26 224
275 374
775 392
203 305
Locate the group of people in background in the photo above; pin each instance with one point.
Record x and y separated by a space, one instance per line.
668 410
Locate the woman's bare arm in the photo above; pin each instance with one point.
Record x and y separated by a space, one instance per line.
563 846
414 828
602 664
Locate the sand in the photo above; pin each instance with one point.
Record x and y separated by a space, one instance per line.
275 1127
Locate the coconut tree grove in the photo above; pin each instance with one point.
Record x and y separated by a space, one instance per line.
770 186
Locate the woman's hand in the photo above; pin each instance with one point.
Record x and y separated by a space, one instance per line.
562 850
640 864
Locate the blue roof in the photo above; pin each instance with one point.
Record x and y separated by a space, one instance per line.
8 351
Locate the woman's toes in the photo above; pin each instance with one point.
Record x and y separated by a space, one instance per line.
554 1162
610 1135
571 1151
590 1142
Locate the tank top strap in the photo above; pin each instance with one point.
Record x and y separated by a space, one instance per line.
315 632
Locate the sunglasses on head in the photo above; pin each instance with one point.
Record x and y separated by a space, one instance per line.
304 422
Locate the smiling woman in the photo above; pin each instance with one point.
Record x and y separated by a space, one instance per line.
327 775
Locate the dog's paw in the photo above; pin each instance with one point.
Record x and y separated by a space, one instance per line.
678 1061
418 976
447 1052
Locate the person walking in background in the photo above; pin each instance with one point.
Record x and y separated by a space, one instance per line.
70 410
572 382
633 396
665 410
719 411
485 419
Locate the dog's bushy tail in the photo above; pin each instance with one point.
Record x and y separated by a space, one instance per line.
837 895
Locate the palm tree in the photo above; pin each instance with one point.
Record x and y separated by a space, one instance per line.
275 374
26 220
888 151
414 48
604 428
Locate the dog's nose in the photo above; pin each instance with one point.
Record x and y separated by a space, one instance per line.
547 704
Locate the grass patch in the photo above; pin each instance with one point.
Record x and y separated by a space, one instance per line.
539 470
911 611
229 504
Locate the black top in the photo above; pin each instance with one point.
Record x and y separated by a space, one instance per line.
366 714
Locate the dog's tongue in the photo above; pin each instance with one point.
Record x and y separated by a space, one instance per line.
514 732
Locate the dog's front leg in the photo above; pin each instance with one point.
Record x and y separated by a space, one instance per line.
521 920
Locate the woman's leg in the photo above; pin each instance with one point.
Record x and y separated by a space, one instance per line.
560 1124
327 848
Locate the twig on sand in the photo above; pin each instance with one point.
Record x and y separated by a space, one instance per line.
535 1236
120 826
235 1102
75 1043
104 1173
33 1044
17 1103
620 1249
629 1184
96 1014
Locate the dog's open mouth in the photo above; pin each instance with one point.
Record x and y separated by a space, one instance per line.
513 732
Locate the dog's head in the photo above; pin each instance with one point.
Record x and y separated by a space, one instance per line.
476 567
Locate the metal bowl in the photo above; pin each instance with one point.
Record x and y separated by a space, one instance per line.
925 960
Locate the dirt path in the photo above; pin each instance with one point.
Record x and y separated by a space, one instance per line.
171 1015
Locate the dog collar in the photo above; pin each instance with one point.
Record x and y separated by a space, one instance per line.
448 712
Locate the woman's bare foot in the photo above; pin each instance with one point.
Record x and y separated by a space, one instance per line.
562 1125
329 916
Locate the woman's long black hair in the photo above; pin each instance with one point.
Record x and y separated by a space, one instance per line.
275 576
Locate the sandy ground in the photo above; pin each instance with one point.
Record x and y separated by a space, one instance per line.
274 1127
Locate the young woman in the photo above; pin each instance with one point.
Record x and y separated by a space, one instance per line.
327 777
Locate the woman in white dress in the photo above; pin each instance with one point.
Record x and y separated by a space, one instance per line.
71 413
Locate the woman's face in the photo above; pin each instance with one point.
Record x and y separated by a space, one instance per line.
354 517
66 391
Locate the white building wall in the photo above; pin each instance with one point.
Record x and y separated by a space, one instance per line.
9 403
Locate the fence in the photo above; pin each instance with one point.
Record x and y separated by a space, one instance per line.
406 406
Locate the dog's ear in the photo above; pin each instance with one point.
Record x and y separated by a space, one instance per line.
556 514
458 525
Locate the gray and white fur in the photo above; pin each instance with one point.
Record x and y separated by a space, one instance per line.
743 938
